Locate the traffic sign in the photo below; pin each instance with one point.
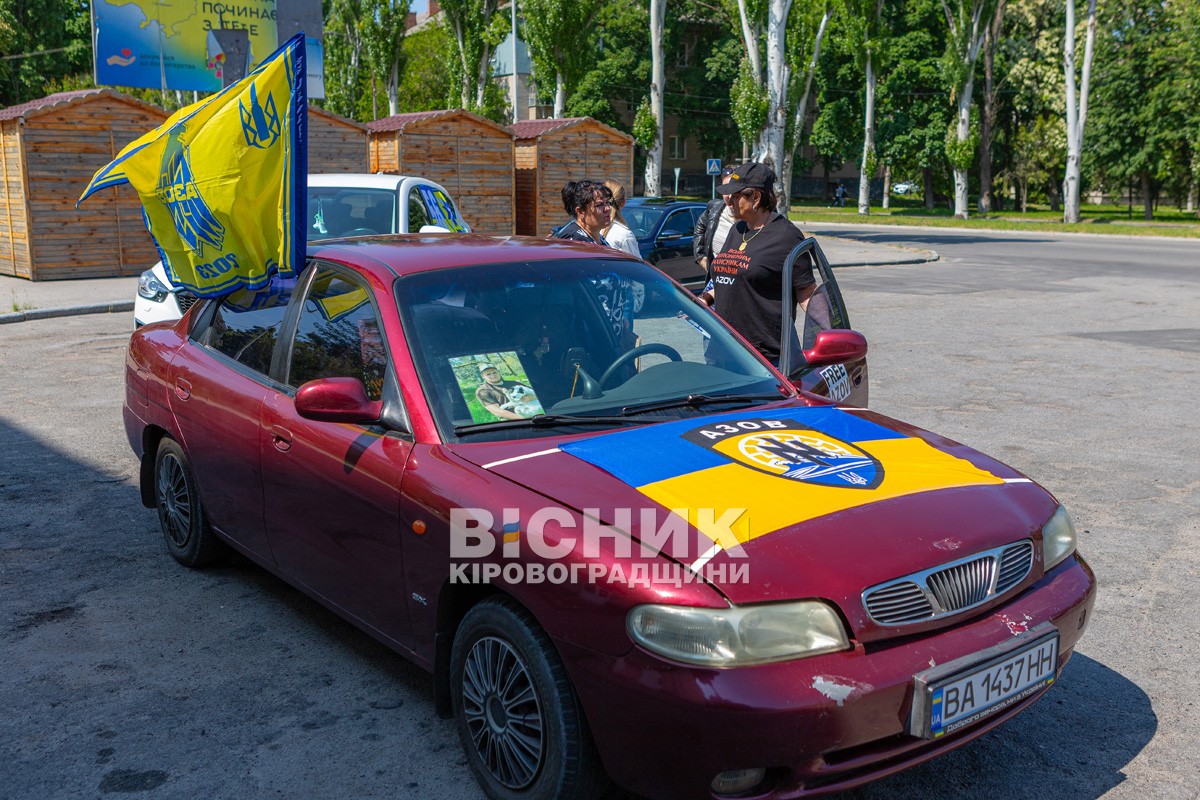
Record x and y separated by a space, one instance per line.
714 166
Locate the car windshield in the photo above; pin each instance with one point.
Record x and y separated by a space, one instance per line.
337 211
642 219
526 349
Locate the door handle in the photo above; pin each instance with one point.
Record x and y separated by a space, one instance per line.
183 389
281 438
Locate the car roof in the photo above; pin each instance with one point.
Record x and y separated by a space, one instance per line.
408 253
361 180
665 202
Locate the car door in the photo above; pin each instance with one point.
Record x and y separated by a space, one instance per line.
672 251
826 310
332 490
218 383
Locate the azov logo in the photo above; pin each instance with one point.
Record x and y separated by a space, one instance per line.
788 449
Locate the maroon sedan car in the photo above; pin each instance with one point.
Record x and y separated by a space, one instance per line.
626 546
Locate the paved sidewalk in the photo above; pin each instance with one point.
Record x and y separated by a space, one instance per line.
22 300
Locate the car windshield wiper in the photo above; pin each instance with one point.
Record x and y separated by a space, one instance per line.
698 400
548 421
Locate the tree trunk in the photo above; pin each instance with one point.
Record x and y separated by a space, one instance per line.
1076 119
801 114
887 187
560 94
1147 197
1192 196
963 132
864 176
987 116
1024 197
482 77
393 90
778 78
658 18
1054 192
927 187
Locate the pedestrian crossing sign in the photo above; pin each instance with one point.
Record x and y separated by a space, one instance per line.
714 166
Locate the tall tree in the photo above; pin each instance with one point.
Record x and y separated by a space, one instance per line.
866 30
1134 140
967 21
424 82
557 33
658 18
987 115
476 29
809 23
383 35
1077 105
344 57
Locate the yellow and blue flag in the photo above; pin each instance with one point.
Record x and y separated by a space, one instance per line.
786 466
223 182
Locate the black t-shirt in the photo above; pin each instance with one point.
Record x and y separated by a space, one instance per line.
749 283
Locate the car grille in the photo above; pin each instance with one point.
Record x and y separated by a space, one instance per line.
949 588
186 300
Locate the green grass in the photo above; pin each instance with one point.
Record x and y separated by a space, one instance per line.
1094 218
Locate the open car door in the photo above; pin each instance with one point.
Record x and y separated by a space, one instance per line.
843 382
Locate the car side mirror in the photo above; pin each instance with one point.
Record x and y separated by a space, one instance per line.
337 400
837 346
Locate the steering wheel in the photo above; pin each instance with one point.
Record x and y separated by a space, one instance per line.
361 232
637 352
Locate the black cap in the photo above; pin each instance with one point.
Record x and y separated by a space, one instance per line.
751 175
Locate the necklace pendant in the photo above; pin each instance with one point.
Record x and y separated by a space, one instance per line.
742 246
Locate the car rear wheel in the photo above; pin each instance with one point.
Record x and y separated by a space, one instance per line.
516 711
189 538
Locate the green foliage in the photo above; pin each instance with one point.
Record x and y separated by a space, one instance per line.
961 155
475 30
620 70
748 103
28 28
645 126
425 84
558 34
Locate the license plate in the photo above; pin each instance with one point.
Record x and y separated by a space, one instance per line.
959 694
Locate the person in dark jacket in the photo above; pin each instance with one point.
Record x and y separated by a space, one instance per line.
711 230
589 203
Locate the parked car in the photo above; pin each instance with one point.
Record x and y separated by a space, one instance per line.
338 205
626 546
903 188
663 228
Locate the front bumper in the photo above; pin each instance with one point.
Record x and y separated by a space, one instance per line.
821 724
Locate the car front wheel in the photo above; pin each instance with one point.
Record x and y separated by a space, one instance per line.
516 711
189 538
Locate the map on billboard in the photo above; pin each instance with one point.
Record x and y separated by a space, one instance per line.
194 45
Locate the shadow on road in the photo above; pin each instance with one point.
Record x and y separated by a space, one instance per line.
927 238
1073 744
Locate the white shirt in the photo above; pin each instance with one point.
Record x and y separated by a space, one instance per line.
620 237
724 223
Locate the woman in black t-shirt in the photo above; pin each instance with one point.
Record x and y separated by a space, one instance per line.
748 269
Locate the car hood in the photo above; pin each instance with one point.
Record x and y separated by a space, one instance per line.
788 503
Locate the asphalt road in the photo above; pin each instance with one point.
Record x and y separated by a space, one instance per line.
1075 359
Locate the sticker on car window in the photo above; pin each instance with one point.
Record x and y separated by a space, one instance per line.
442 209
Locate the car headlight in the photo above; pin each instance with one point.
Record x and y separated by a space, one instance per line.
151 287
1058 538
735 637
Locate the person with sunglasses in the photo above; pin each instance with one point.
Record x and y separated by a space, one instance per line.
748 269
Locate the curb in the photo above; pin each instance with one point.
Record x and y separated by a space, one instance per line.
66 311
919 257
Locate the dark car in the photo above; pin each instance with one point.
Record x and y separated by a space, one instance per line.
664 232
627 547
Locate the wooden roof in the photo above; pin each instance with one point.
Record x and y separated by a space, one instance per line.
61 100
398 122
324 112
536 128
